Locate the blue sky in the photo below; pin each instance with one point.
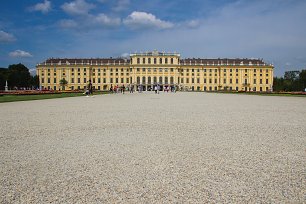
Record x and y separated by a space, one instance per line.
34 30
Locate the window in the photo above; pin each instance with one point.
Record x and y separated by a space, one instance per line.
160 70
144 80
111 80
72 80
231 81
192 70
187 80
138 69
224 70
48 80
155 79
149 60
236 70
99 80
94 80
104 80
267 81
204 81
198 80
143 69
149 80
122 80
84 80
42 80
154 60
254 81
138 80
54 80
138 60
166 80
215 81
171 69
210 81
143 60
160 80
166 60
160 60
171 80
79 80
236 81
171 60
192 80
117 80
127 80
260 81
245 81
182 80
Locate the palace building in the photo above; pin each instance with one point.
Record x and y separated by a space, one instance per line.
149 69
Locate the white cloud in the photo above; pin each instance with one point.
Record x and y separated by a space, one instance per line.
125 55
103 19
193 24
6 37
20 53
77 7
44 7
121 5
137 20
67 23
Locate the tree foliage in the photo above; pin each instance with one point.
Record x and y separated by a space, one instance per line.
17 76
292 81
63 83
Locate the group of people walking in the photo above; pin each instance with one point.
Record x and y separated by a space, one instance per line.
130 88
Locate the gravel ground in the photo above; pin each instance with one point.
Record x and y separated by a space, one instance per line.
147 148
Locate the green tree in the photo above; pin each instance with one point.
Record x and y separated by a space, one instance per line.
35 81
3 77
63 83
18 76
278 84
302 79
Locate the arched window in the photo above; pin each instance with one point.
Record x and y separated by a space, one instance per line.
160 80
155 79
171 80
143 80
160 60
138 80
149 80
166 80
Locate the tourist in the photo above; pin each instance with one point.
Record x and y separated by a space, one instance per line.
155 89
123 89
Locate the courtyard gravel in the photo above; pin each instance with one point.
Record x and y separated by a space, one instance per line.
154 148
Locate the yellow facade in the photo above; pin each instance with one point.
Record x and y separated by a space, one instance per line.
152 68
